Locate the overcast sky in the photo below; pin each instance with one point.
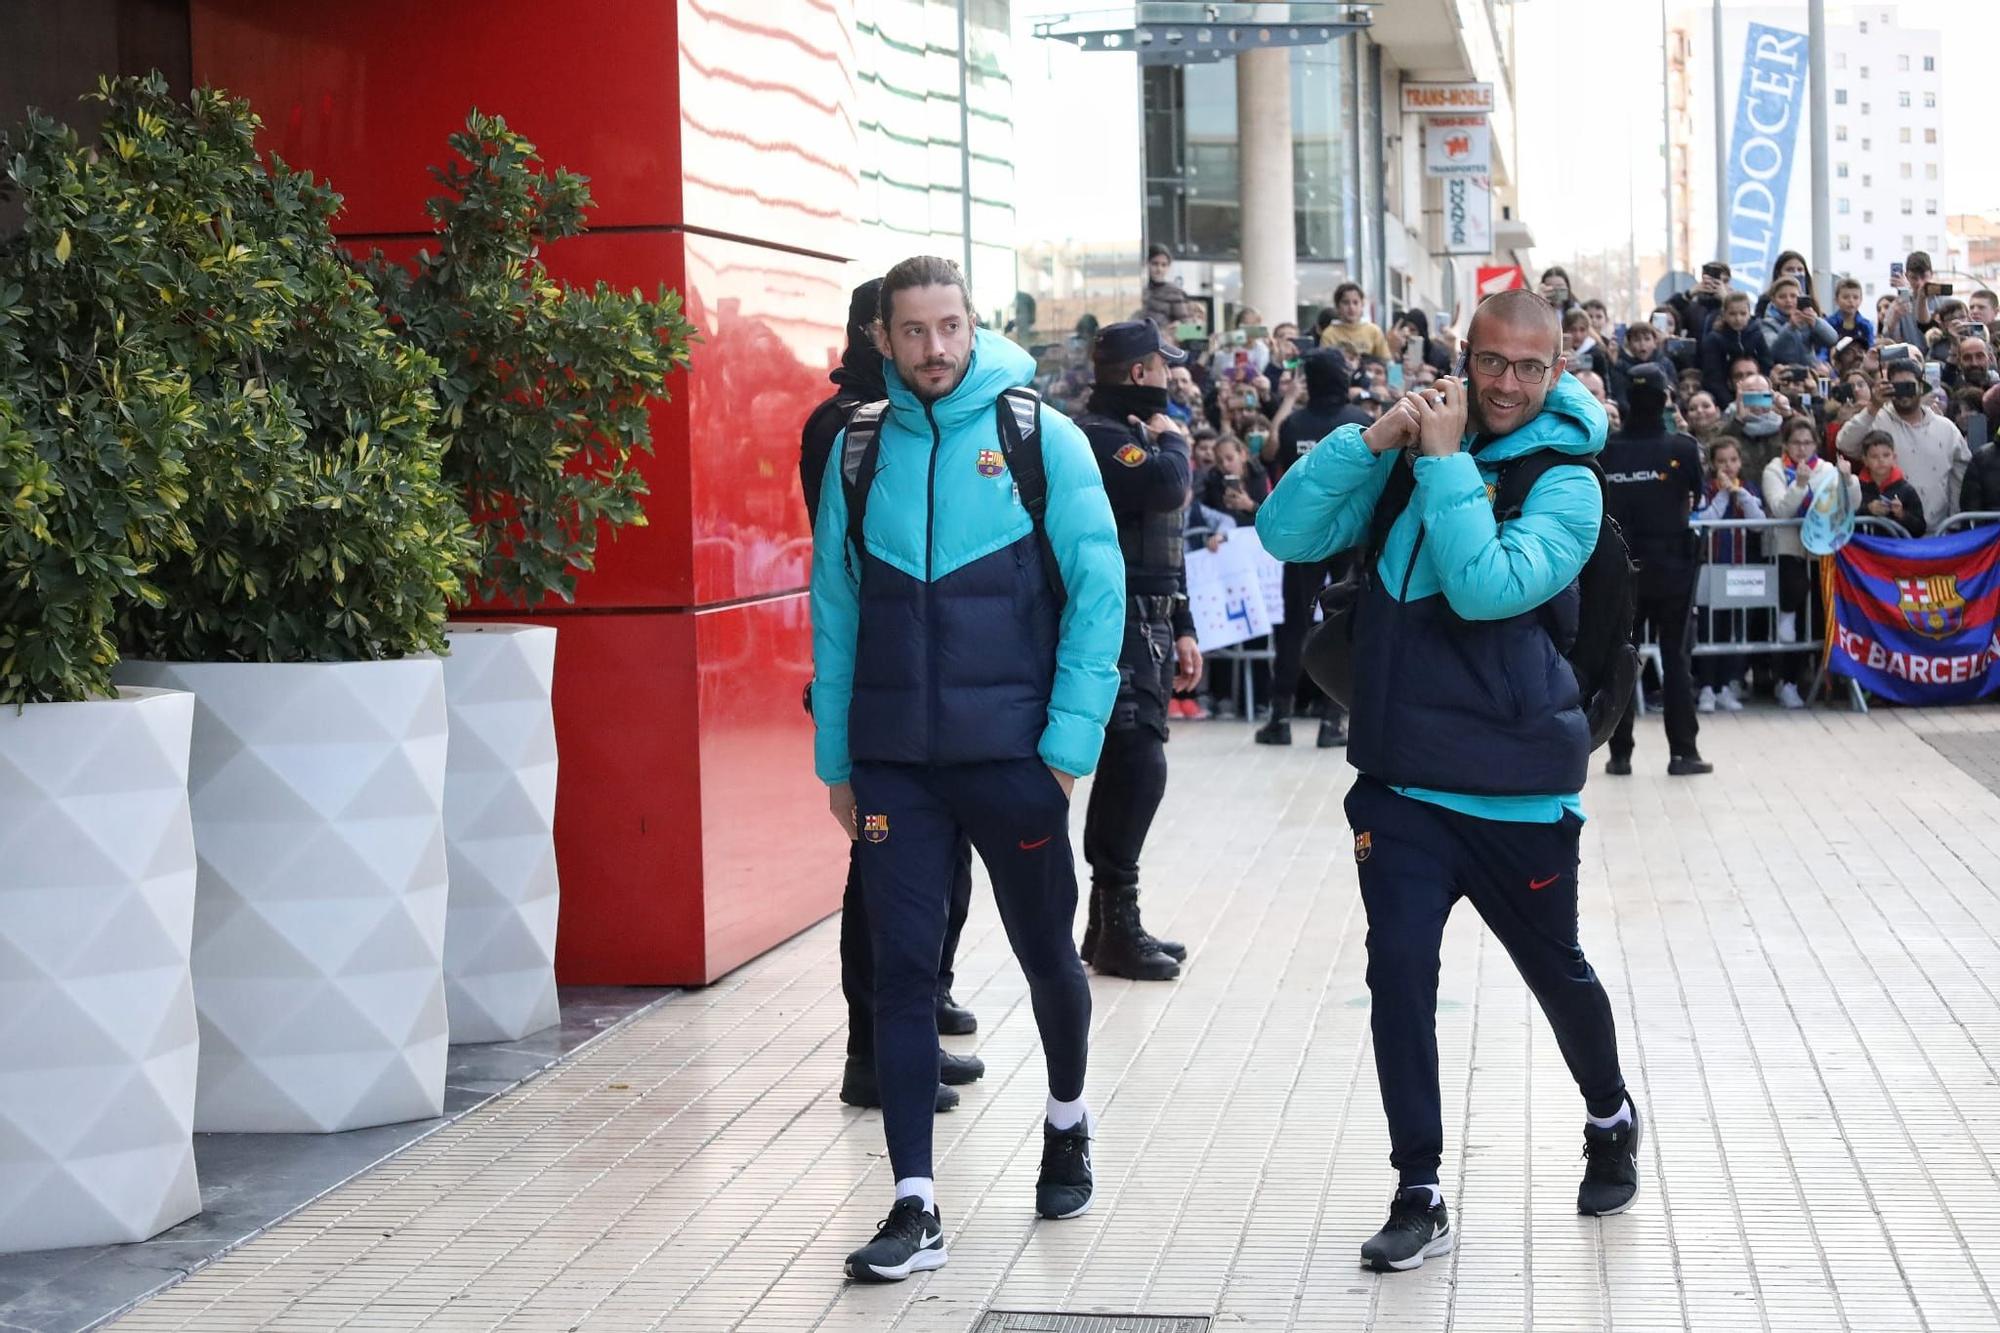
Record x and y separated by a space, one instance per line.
1588 84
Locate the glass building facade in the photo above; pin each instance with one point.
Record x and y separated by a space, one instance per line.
1193 189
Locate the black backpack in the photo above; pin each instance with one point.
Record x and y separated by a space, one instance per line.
1602 656
1018 418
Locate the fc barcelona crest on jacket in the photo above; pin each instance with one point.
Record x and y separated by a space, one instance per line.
992 462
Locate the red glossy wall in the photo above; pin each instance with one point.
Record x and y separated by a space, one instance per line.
721 150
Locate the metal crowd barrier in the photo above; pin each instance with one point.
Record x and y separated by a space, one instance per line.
1974 519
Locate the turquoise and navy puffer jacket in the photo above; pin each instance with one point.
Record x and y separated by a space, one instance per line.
941 643
1462 696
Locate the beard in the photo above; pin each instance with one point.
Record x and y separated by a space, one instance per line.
914 375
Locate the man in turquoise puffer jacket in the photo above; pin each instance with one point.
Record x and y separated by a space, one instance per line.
955 690
1468 728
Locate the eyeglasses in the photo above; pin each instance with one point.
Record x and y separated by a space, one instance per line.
1493 366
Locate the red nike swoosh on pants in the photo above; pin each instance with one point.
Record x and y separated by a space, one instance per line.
1033 846
1543 883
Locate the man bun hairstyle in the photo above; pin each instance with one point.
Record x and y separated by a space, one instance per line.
920 271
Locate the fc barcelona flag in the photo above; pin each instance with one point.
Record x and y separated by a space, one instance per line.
1916 620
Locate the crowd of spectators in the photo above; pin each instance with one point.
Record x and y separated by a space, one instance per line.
1904 402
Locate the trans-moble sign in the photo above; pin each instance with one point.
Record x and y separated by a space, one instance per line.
1429 98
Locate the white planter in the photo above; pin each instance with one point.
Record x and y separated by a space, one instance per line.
500 832
318 795
97 1026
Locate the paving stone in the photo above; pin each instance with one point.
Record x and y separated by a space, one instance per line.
1803 953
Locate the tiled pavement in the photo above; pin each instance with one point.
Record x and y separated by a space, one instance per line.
1803 959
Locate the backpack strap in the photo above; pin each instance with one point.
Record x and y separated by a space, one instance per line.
859 449
1394 500
1519 475
1019 415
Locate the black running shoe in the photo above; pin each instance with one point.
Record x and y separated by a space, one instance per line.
1065 1185
957 1070
1611 1173
909 1240
1416 1230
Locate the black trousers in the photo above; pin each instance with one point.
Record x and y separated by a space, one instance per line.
857 954
1301 584
1131 781
1671 618
1416 860
1017 817
1132 769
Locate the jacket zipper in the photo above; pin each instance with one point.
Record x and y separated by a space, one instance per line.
930 600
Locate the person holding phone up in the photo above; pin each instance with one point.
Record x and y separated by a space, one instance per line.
1793 329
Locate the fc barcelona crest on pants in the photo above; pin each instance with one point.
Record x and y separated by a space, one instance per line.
875 828
1931 605
1364 843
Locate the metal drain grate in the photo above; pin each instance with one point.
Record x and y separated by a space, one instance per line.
1045 1321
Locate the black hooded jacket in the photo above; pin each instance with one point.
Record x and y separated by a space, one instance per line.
857 379
1326 410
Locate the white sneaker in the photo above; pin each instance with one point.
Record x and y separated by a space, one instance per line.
1728 701
1788 696
1788 627
1705 701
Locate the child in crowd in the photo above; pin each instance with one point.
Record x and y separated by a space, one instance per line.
1848 321
1349 331
1724 496
1788 494
1884 492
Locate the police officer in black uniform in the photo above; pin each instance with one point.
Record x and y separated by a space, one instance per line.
858 379
1654 479
1144 458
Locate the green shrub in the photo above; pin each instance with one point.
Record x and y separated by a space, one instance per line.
544 390
96 427
319 527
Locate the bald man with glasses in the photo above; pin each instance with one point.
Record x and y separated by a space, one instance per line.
1469 728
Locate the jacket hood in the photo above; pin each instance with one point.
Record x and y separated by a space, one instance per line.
1326 378
996 366
1570 421
860 370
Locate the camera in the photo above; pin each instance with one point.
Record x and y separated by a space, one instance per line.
1940 289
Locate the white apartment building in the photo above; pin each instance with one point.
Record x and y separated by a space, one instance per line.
1885 149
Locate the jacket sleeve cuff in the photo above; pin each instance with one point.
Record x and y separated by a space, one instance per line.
1071 744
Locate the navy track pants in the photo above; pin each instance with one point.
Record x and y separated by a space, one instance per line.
1415 861
912 818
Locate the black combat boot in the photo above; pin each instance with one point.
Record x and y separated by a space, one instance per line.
1092 924
1278 731
1093 929
1123 948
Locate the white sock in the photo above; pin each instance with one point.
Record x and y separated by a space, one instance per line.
922 1187
1437 1195
1622 1115
1065 1115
